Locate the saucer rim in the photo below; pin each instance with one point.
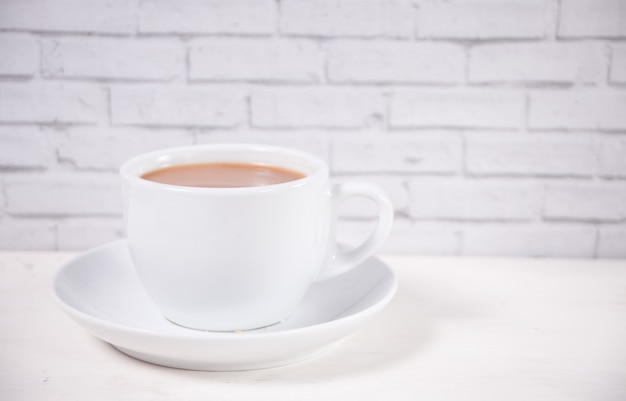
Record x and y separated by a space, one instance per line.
202 335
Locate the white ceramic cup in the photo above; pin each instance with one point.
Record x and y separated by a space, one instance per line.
228 259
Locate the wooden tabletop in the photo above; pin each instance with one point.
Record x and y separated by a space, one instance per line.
458 329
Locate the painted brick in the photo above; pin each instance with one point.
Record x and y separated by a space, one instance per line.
94 16
207 16
66 194
27 234
363 208
582 109
398 153
483 19
81 234
612 157
473 200
311 141
3 204
55 194
529 241
346 18
29 147
50 103
457 108
528 155
108 148
618 63
112 58
605 201
612 243
20 55
256 60
396 62
538 62
592 18
177 106
327 108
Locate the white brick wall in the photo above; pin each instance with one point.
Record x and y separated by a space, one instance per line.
396 62
585 201
592 18
483 19
579 110
474 200
347 18
315 107
243 17
26 147
618 64
107 58
28 234
497 127
94 16
23 49
612 163
458 108
259 60
565 63
50 103
65 194
101 148
402 153
611 243
535 155
176 106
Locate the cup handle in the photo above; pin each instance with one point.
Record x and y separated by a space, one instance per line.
340 261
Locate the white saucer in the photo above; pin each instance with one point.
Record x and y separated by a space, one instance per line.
100 291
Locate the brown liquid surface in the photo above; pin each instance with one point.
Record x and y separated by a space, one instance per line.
222 175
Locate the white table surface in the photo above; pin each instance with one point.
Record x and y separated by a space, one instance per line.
458 329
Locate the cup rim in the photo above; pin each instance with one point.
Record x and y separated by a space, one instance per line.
128 169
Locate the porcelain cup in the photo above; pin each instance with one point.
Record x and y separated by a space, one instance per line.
230 259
